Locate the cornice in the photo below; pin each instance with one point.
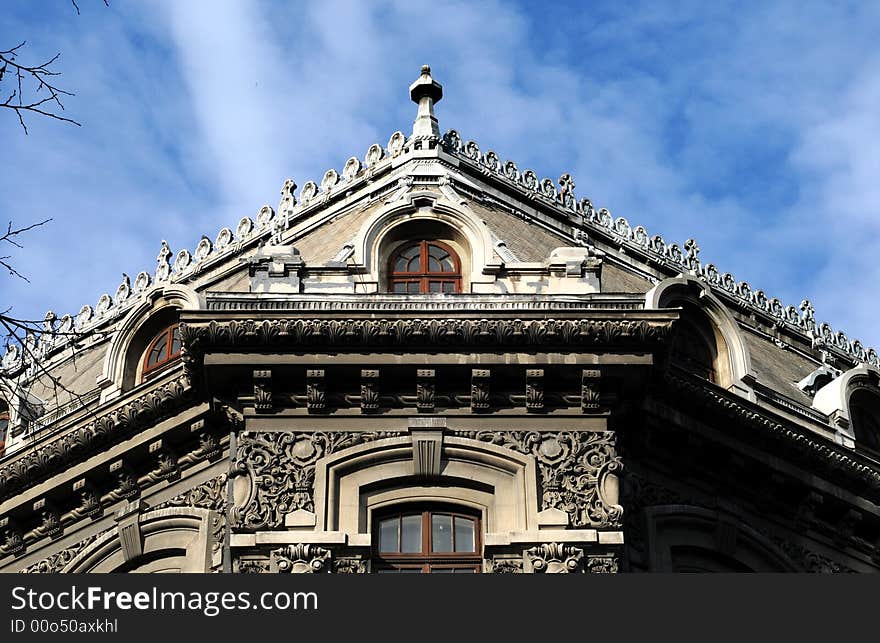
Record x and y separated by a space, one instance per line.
199 334
387 304
830 458
34 464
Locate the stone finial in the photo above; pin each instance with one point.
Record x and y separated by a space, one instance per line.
426 91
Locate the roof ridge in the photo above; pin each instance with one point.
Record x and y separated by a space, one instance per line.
581 214
686 259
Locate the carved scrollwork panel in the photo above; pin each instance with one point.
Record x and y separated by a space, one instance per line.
280 468
301 559
556 558
572 467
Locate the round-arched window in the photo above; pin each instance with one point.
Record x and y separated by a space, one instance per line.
424 267
864 410
431 539
162 350
694 348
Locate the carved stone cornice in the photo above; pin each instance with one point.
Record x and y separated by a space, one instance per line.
78 443
199 336
830 458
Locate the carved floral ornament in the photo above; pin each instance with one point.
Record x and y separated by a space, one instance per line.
280 468
572 468
280 471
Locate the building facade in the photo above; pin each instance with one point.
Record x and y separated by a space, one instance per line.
435 362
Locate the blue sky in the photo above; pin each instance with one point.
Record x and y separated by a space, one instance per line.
752 126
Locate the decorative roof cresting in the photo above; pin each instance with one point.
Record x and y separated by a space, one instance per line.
582 217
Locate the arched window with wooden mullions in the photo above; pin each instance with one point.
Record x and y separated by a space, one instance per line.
425 267
164 349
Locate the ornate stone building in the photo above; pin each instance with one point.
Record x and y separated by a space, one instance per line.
434 361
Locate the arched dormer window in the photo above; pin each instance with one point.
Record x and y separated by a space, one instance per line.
695 348
424 267
864 411
161 351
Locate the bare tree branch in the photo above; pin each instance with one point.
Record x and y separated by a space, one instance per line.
41 75
9 237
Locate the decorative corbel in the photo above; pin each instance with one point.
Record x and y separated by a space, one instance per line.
50 519
590 380
535 390
480 390
425 388
263 391
126 481
89 499
369 390
316 388
11 539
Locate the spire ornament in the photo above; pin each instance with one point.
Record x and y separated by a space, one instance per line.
426 91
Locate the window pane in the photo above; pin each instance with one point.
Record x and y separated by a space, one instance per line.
441 533
413 287
464 534
448 286
434 265
400 286
175 340
435 286
411 535
157 354
388 533
401 265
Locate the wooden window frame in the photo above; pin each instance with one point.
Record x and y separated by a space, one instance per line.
426 560
169 357
424 277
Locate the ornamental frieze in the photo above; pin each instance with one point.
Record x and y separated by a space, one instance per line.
572 466
197 336
280 468
58 561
